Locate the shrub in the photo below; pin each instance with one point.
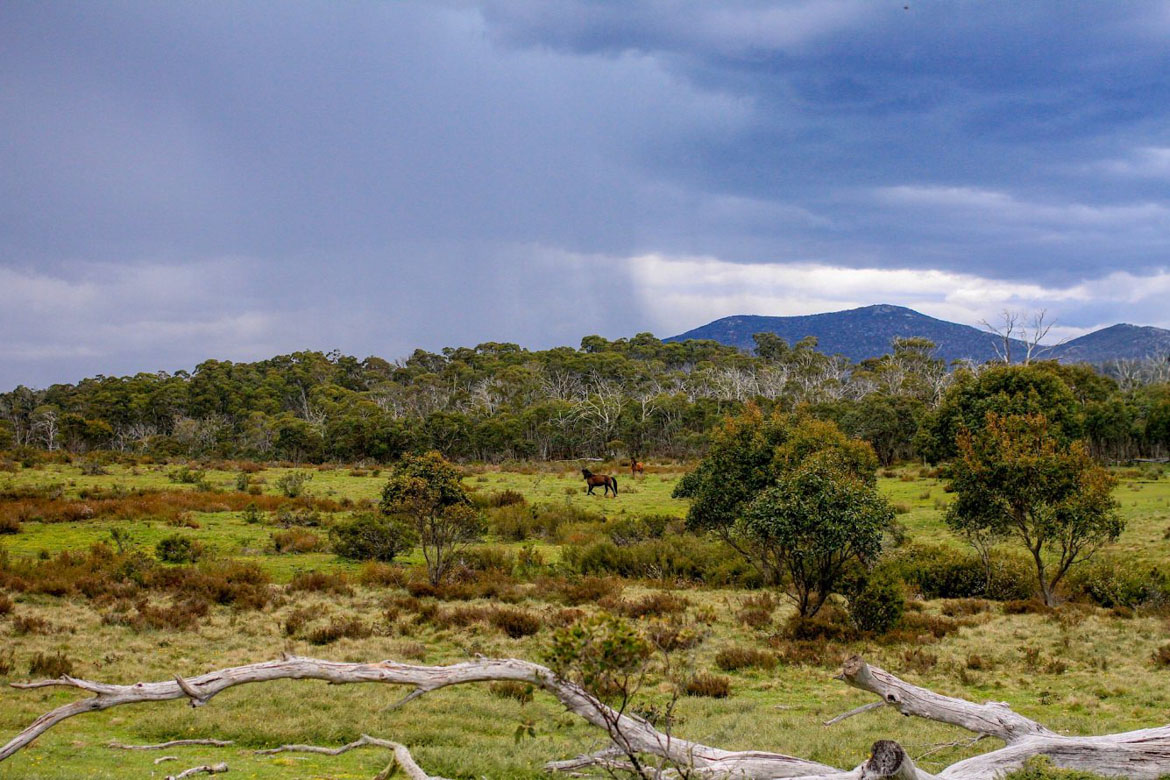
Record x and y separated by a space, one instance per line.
498 559
714 686
50 666
676 557
652 604
368 536
291 484
582 590
378 574
232 583
1109 583
185 475
31 624
1162 656
178 549
9 525
296 540
516 623
6 605
505 498
878 605
180 616
340 628
731 659
320 582
829 625
511 689
944 572
298 619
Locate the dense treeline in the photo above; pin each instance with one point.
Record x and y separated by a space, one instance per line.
635 397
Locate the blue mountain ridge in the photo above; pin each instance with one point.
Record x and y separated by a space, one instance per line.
869 331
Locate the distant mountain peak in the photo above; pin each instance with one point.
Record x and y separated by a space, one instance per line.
869 331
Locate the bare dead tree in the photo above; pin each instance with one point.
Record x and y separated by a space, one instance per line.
1004 332
1142 754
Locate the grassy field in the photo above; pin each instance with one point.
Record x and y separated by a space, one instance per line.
1080 669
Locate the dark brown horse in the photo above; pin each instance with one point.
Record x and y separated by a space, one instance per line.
593 480
637 467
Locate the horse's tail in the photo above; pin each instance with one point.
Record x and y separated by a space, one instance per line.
614 485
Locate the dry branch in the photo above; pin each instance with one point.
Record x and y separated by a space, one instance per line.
1138 754
171 744
208 769
402 756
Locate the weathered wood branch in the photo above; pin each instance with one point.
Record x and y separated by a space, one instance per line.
1137 754
205 769
171 744
992 718
402 757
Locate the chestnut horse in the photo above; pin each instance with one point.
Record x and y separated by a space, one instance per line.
637 467
593 480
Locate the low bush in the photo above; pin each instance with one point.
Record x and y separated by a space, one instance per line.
6 604
511 689
50 666
320 582
516 623
828 625
655 604
339 628
581 590
877 605
378 574
23 625
499 559
943 572
291 484
677 557
1110 583
181 616
714 686
369 536
296 541
178 549
731 659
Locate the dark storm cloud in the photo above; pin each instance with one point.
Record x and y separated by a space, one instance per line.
188 180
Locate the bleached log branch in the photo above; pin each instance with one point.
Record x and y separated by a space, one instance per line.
208 769
993 718
1138 754
171 744
402 756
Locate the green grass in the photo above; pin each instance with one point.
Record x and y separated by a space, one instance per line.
1108 683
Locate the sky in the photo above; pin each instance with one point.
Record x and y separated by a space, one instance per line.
235 180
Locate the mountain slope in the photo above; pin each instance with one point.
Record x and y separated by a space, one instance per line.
1125 342
869 331
855 333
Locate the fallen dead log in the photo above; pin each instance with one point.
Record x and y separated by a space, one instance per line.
1138 754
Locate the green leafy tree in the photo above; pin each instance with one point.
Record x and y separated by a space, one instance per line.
1015 478
425 493
749 454
816 520
1005 390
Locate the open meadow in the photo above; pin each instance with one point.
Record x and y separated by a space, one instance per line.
265 582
